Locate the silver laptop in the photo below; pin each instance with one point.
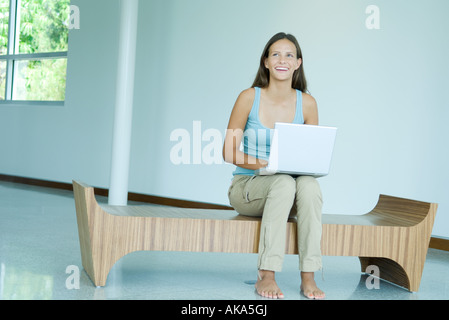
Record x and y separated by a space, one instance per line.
300 150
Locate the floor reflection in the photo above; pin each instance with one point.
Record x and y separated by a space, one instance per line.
19 284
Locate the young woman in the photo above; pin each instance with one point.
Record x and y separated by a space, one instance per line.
277 95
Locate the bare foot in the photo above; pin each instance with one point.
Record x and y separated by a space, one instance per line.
266 285
309 287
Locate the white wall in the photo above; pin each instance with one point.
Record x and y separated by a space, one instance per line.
384 89
74 141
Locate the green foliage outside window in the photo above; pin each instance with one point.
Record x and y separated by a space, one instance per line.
43 28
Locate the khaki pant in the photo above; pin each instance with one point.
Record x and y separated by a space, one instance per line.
276 198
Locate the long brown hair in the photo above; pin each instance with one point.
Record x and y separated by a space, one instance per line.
263 75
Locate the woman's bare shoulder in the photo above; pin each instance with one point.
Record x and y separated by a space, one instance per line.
310 109
245 99
308 101
247 94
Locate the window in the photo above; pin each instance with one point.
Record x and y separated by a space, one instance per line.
33 50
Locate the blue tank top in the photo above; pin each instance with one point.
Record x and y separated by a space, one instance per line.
257 137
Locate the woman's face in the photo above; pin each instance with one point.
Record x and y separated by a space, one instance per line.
282 61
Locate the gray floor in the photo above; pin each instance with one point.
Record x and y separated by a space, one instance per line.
40 259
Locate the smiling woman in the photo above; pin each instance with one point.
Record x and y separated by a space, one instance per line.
263 75
278 94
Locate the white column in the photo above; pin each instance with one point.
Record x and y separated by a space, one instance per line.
121 143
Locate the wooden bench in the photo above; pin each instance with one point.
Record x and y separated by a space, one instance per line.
394 236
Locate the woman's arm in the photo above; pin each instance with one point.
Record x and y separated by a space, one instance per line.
310 110
234 133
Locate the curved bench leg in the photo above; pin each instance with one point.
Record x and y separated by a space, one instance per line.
97 230
389 270
101 271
